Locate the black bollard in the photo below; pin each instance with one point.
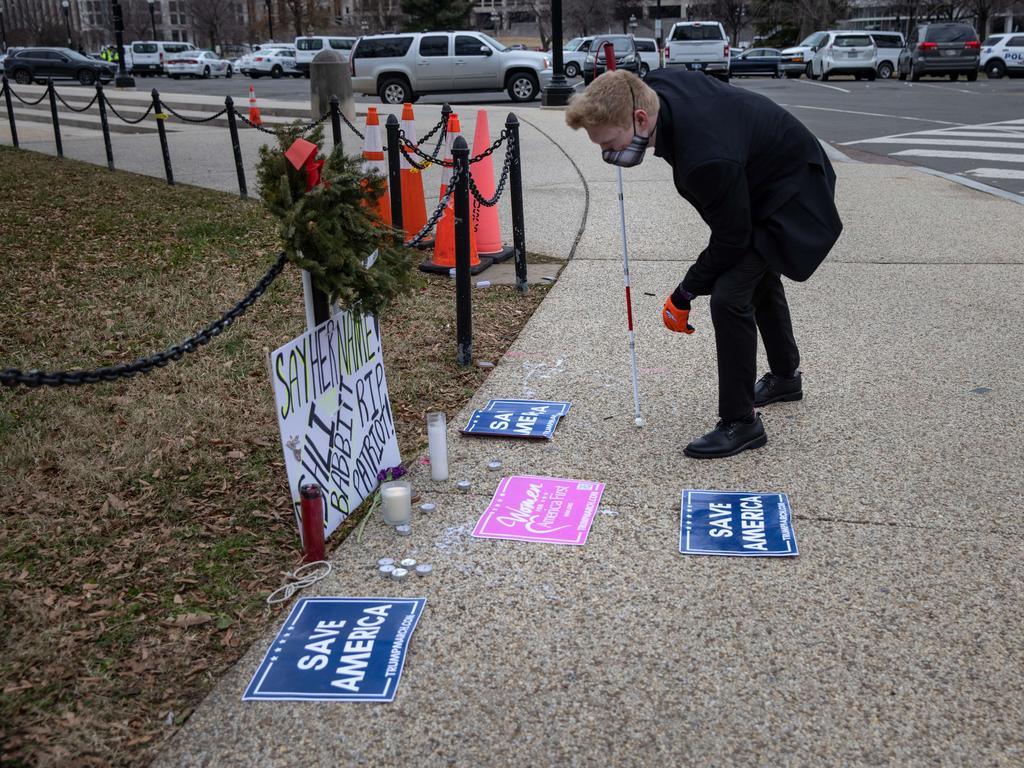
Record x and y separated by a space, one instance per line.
463 299
235 147
515 180
10 111
105 126
56 120
392 127
163 136
336 120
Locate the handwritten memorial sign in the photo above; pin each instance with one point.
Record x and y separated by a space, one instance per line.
528 508
736 523
334 413
338 649
517 418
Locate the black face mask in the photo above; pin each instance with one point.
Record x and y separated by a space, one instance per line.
634 153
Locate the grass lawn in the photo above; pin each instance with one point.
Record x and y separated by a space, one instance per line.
144 522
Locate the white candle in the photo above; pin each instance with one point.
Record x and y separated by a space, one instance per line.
437 439
395 502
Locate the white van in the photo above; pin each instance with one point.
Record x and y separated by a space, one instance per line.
146 57
306 48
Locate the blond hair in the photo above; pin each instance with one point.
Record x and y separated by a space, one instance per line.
610 100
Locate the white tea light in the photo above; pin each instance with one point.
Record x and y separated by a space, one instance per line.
403 530
428 507
409 562
423 569
464 485
399 574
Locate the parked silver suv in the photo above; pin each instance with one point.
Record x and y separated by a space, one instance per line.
402 67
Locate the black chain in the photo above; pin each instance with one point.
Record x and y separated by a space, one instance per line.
125 119
406 144
349 124
491 202
24 101
193 119
443 123
77 109
12 376
251 124
319 121
438 212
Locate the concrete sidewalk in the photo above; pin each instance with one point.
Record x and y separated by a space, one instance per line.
894 638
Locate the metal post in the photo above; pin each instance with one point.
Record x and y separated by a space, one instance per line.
463 300
336 120
56 120
270 20
10 111
392 127
100 99
558 91
233 130
163 136
123 79
515 183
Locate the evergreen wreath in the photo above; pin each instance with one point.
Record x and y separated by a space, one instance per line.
332 229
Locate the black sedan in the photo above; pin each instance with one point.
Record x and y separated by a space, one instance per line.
756 61
626 56
39 64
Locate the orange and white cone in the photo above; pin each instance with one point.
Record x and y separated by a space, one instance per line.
254 111
373 160
485 219
443 260
414 207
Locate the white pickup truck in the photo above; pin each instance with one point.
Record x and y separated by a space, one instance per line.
698 45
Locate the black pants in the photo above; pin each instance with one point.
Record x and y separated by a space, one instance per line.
746 299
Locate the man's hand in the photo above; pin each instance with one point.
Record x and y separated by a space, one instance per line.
676 317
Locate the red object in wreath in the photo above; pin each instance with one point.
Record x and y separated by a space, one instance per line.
302 155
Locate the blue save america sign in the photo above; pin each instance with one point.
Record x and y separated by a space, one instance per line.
517 418
338 649
736 523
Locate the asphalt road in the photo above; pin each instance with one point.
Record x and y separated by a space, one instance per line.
974 131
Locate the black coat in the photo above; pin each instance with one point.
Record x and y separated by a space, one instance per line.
759 179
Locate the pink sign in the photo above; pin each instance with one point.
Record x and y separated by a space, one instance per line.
550 509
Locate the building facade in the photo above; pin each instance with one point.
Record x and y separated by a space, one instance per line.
872 14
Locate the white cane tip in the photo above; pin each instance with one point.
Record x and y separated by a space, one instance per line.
639 421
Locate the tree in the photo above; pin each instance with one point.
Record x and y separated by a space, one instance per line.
436 14
542 12
210 19
584 17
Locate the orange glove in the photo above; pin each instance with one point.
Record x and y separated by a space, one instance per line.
676 318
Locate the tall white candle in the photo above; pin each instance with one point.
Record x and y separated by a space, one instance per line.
437 439
395 502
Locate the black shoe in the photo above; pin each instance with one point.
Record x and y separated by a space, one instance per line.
728 439
774 389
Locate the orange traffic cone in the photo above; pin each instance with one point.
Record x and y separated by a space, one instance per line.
414 207
443 260
485 219
254 111
373 160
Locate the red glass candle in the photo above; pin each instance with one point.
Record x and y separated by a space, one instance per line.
312 523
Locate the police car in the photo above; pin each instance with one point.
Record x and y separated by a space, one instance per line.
1003 55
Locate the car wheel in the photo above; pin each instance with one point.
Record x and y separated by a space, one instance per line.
394 90
644 70
572 69
972 76
523 86
824 76
885 70
915 76
995 69
276 72
86 77
23 77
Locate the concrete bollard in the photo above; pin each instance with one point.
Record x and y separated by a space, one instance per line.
329 76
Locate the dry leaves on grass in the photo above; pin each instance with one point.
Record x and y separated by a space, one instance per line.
152 516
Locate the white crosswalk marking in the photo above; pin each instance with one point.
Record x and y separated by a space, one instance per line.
957 149
996 173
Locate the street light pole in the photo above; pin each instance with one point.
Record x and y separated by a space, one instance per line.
558 91
270 19
65 4
152 18
123 79
3 29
